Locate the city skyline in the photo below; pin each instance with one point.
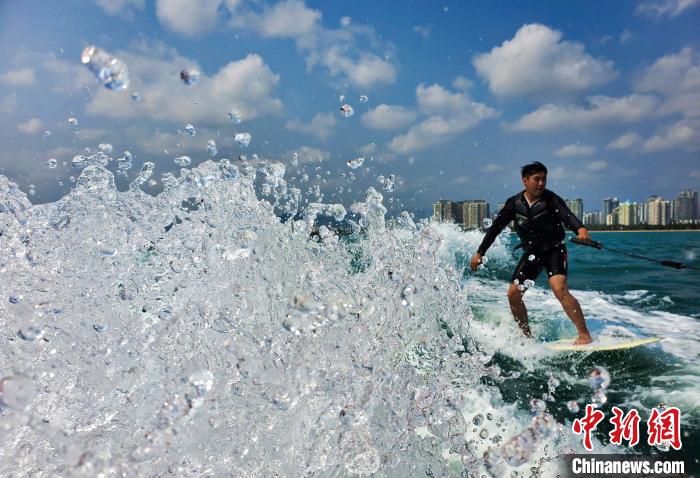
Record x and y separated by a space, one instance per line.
654 210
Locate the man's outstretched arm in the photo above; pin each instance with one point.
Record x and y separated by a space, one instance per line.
505 215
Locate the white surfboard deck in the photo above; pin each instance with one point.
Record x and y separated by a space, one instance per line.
567 345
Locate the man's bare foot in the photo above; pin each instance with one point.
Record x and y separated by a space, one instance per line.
583 339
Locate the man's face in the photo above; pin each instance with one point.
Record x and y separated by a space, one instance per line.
535 184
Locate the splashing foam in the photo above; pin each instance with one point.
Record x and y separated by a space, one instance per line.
195 332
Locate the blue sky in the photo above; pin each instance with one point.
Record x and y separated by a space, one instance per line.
460 94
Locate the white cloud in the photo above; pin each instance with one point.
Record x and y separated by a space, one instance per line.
448 114
33 125
320 125
368 148
247 85
695 173
388 117
597 165
461 83
65 76
677 76
601 110
492 168
364 71
575 150
625 141
21 77
422 31
537 62
460 180
189 17
625 36
660 8
683 134
114 6
286 19
339 50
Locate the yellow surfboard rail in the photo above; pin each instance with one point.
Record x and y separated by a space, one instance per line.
567 345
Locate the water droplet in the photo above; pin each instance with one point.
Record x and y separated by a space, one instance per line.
183 161
47 133
190 129
243 139
136 96
478 419
599 377
537 406
484 259
484 434
235 116
572 406
73 121
106 148
202 381
408 295
363 99
346 110
189 77
529 283
112 72
487 222
52 163
599 398
356 163
211 148
79 161
531 257
30 333
387 183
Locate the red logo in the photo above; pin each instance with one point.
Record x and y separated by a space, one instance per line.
626 426
587 424
665 426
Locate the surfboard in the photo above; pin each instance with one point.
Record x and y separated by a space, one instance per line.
567 345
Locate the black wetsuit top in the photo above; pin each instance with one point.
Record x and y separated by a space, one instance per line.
539 226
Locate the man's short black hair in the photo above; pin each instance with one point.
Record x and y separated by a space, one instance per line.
531 168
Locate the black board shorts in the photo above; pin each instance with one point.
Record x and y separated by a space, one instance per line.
554 260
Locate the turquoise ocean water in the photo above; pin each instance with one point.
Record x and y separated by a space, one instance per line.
621 297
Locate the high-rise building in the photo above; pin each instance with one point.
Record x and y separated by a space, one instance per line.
442 211
685 206
612 219
659 211
474 213
576 206
642 213
593 218
627 213
469 214
609 205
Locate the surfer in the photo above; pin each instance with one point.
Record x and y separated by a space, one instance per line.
538 215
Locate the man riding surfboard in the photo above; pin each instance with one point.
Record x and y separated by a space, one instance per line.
538 215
